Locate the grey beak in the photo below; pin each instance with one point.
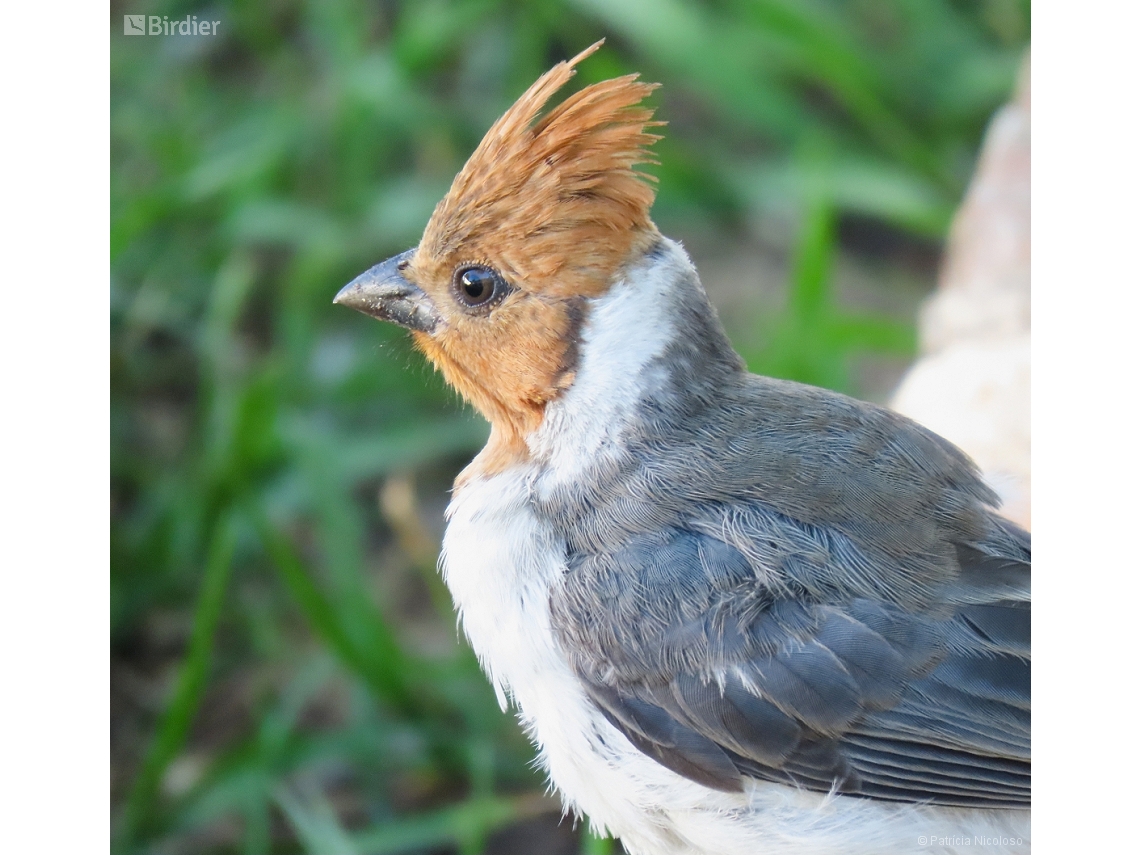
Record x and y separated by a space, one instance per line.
383 293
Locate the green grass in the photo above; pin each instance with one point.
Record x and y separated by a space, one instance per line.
297 681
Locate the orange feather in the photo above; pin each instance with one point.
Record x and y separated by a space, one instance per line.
555 204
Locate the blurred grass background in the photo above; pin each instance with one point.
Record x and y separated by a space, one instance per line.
286 672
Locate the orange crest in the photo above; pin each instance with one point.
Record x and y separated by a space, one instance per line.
554 204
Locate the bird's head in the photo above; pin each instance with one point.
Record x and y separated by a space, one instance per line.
544 216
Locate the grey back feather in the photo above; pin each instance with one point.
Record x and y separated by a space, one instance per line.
777 581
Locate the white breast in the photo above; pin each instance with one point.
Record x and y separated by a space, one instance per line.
500 561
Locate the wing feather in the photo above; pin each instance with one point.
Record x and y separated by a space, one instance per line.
863 697
817 592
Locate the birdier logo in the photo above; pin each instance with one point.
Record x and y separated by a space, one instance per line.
160 25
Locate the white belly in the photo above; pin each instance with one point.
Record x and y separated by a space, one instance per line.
500 561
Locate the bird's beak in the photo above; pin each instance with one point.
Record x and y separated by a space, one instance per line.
384 293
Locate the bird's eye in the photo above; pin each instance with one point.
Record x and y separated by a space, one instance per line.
478 287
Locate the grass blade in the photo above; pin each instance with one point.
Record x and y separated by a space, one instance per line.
316 824
457 825
385 670
179 714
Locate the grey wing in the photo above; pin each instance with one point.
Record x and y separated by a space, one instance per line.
719 673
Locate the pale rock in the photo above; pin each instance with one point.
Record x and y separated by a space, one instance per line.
971 383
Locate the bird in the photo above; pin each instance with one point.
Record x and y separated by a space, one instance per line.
735 614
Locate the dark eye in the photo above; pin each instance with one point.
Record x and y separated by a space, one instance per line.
479 287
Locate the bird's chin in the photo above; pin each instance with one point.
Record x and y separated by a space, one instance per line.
383 293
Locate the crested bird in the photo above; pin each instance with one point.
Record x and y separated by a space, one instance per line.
735 614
